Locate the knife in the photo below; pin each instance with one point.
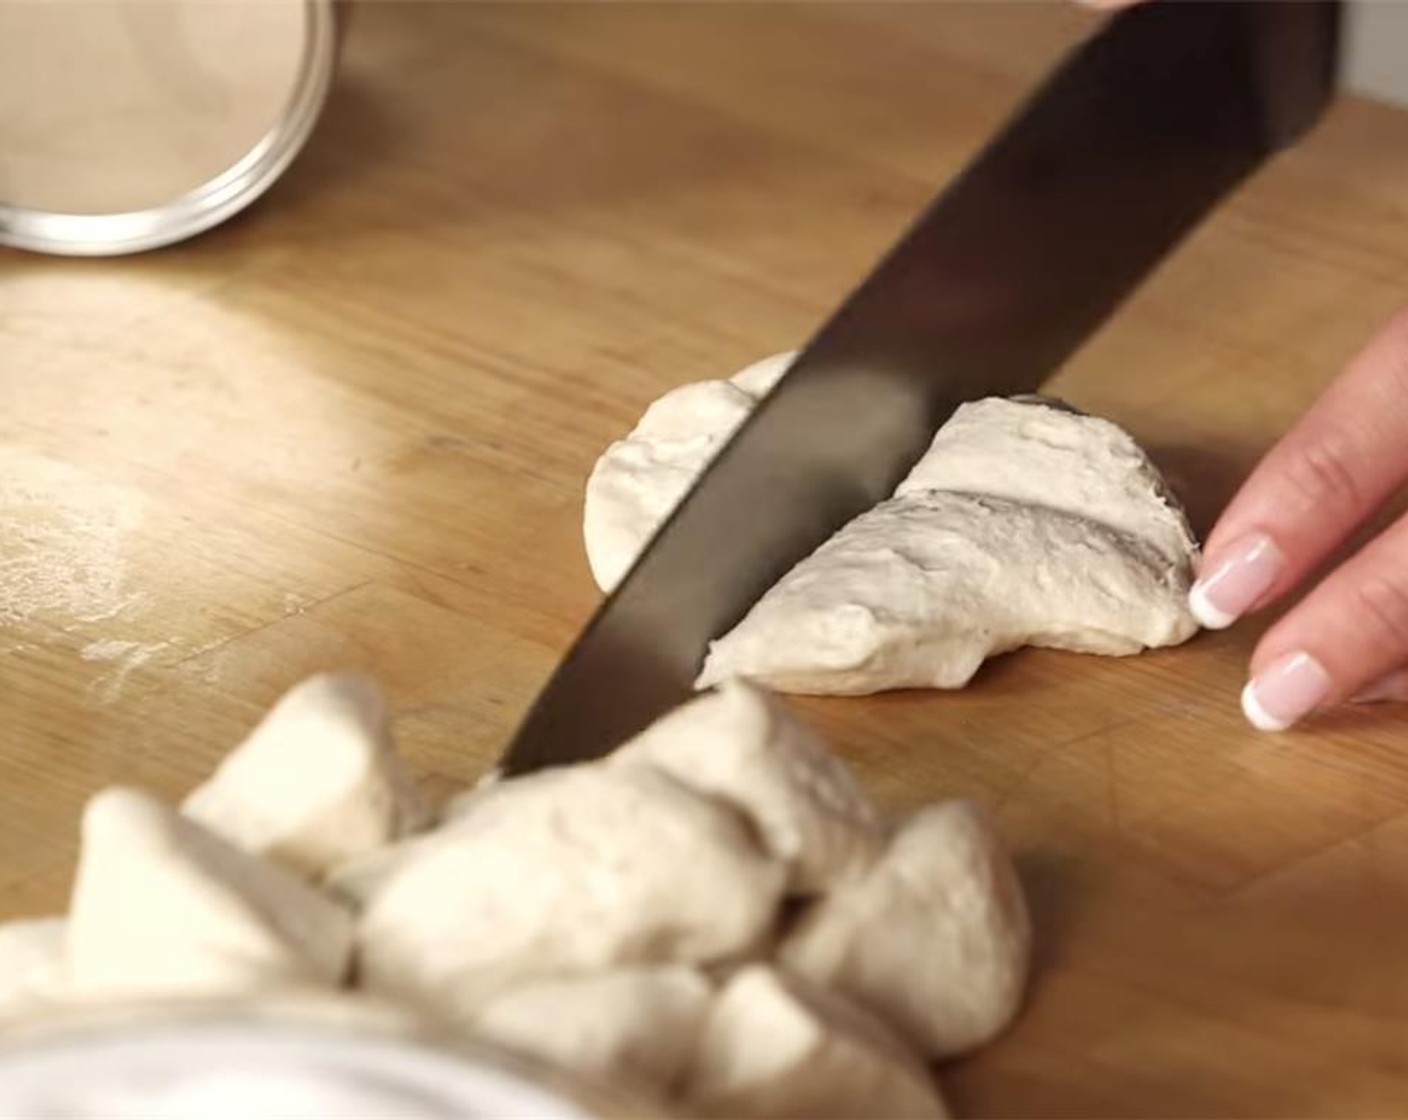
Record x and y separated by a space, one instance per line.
1126 146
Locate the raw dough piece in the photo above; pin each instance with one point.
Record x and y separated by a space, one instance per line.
882 605
160 905
639 480
355 882
1041 452
568 870
743 746
774 1047
758 379
33 963
634 1026
920 590
316 783
935 940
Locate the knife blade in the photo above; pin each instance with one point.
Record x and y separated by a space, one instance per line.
1125 148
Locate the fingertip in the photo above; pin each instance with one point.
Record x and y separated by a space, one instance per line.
1256 715
1286 691
1209 616
1246 571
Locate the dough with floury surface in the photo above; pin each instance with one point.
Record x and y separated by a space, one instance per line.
317 783
355 882
161 906
1026 523
33 964
894 600
1045 453
936 940
776 1047
713 917
639 480
744 747
922 589
568 870
631 1026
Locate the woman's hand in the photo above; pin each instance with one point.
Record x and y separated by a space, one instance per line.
1349 637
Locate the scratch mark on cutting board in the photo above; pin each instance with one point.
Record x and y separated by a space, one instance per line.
1045 754
1114 795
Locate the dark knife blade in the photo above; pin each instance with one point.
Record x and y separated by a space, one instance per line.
1132 140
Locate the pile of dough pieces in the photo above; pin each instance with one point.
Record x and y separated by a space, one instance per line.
713 917
1025 523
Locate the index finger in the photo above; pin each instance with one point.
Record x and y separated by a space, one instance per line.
1321 481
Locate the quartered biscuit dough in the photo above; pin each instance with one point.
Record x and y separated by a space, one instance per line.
1025 523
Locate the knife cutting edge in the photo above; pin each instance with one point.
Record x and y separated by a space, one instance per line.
1124 149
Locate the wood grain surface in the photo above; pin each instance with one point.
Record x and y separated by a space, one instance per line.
351 428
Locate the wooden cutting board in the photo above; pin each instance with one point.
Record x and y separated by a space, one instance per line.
351 429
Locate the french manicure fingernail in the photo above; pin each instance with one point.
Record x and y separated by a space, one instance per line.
1244 573
1285 691
1392 687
